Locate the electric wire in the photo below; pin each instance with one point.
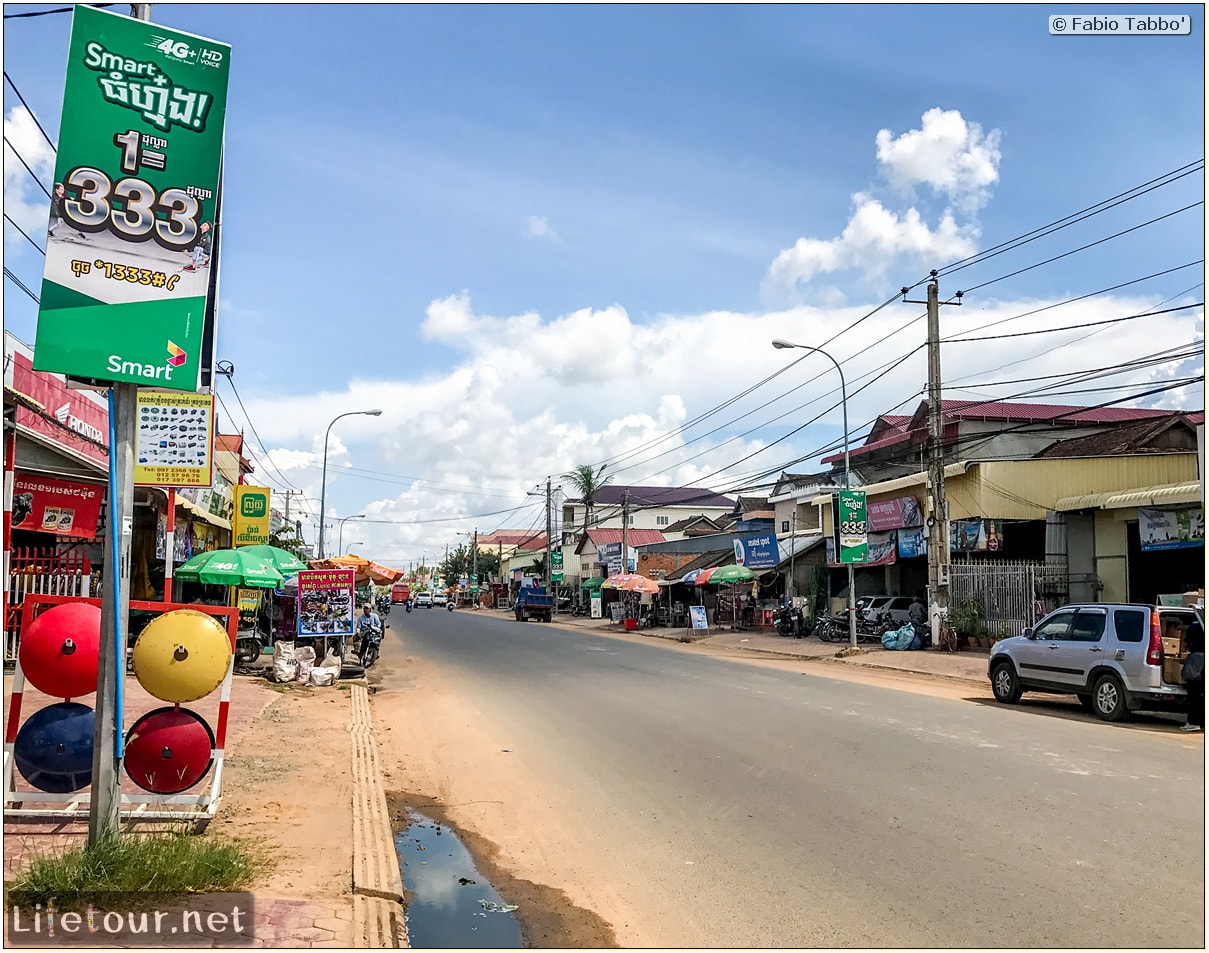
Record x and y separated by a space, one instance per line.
41 250
20 284
33 175
32 114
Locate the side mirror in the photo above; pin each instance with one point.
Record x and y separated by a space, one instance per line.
1028 633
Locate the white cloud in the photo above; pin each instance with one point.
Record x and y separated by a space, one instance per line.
951 156
536 226
873 239
947 153
24 202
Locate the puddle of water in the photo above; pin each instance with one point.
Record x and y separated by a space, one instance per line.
450 903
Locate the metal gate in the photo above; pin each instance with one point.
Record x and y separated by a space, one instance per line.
1013 595
41 572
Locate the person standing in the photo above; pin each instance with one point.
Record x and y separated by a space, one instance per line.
1194 642
56 212
201 249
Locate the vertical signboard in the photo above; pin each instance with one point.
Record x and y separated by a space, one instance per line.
325 601
174 439
850 525
133 209
251 523
556 565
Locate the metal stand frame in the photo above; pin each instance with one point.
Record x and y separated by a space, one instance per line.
74 805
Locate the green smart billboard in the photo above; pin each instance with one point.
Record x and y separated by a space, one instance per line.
132 214
851 526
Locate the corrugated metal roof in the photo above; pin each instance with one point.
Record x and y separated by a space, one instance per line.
637 537
1147 496
901 483
661 496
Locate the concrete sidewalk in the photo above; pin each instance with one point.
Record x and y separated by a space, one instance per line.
969 666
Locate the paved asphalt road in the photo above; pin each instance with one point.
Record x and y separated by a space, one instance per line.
772 807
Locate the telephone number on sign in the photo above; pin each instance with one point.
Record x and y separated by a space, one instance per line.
119 272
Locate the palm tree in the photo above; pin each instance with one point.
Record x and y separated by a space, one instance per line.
588 482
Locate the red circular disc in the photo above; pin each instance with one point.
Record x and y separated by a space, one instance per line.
169 750
58 651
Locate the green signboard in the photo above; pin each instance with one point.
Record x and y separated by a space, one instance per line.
556 566
132 216
851 525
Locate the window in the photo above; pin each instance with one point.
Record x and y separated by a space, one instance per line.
784 526
1130 624
661 521
1055 627
630 520
1089 625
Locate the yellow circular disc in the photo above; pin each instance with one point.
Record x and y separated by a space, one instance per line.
182 656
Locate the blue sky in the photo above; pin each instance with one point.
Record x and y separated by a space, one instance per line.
539 236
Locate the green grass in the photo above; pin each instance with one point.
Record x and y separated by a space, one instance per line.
159 865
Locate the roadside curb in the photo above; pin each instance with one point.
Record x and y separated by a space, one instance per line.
377 882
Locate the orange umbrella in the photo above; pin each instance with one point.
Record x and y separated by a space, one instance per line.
640 583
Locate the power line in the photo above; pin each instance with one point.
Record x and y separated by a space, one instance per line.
20 284
1074 327
33 175
41 250
32 115
46 13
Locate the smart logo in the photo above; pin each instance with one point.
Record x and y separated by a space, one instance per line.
176 355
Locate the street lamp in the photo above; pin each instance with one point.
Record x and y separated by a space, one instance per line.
340 537
781 343
323 479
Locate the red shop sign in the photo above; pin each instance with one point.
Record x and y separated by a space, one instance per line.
56 506
72 421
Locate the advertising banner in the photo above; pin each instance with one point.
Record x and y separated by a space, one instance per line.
248 601
325 601
1171 529
894 514
851 526
251 523
74 421
912 542
556 565
131 220
757 552
63 507
174 440
975 536
883 550
697 614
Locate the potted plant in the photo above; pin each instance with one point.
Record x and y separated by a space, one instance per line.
969 618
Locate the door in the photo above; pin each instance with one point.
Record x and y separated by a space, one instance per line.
1037 657
1083 647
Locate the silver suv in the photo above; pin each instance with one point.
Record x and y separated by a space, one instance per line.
1111 655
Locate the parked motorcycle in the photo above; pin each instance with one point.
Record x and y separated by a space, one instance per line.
790 622
579 608
248 646
831 628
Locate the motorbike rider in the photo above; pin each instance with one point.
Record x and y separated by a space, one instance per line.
918 615
368 621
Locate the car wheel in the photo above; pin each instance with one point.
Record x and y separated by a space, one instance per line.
1108 699
1005 684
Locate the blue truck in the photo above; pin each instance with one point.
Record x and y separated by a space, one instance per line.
534 602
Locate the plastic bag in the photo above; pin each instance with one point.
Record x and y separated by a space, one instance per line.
1193 669
331 662
305 656
285 665
321 676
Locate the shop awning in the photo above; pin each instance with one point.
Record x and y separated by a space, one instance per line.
592 584
1175 494
202 513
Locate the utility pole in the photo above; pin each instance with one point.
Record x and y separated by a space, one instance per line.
474 556
104 808
793 546
938 515
625 531
549 584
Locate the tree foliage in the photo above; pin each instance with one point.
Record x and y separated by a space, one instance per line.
588 481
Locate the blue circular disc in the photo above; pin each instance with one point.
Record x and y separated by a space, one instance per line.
53 749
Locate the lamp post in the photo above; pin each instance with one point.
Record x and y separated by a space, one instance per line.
782 343
340 537
323 479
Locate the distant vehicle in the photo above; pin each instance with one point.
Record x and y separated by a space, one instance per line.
400 592
439 598
534 602
1116 657
422 598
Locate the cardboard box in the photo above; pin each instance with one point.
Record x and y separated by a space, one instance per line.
1173 645
1171 671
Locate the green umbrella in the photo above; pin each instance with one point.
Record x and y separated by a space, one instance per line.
282 560
592 584
731 573
229 567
